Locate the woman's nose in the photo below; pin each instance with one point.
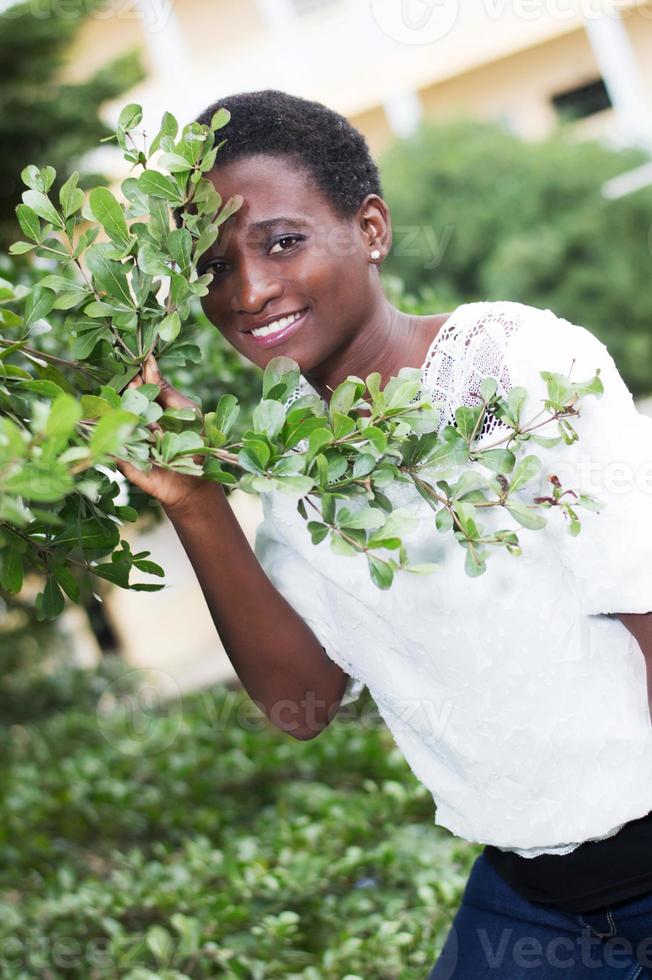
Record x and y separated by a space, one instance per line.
255 286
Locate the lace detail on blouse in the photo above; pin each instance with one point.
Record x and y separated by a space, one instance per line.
471 346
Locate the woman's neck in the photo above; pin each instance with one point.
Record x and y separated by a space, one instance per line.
392 340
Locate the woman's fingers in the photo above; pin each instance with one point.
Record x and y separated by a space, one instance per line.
169 397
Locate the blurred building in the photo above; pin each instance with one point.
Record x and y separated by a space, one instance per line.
385 64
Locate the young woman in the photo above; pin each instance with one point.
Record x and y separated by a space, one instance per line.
518 698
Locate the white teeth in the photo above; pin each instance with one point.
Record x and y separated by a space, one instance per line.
277 325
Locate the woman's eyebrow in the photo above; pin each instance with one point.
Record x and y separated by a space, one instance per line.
269 223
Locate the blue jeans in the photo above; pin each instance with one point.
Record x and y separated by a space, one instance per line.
499 935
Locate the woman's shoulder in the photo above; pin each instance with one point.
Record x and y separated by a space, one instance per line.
497 317
508 330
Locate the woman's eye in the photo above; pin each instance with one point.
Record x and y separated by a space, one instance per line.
286 238
212 267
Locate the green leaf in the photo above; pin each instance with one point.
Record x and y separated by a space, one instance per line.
525 471
37 305
382 574
220 118
175 163
269 417
149 566
516 398
31 176
525 515
498 460
19 248
169 127
343 425
64 416
488 388
376 437
40 480
589 503
160 943
168 329
29 222
363 465
110 215
342 399
180 246
71 197
89 534
130 117
155 184
467 420
151 261
560 389
109 276
226 413
67 581
43 206
369 518
11 570
111 432
232 205
474 565
318 531
116 572
282 371
548 442
53 600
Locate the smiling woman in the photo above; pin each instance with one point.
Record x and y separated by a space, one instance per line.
519 699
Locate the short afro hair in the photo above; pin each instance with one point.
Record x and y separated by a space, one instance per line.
332 151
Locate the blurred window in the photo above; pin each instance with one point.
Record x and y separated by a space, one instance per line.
307 6
576 103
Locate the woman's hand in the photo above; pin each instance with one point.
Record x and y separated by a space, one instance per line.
175 491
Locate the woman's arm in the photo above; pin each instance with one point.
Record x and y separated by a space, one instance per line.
640 626
274 652
276 655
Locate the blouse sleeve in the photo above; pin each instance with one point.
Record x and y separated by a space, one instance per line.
301 584
611 460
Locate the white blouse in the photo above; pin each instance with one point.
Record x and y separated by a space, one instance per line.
515 700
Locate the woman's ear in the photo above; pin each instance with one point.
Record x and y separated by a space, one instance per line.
376 226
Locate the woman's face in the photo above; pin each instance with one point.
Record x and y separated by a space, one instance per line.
286 252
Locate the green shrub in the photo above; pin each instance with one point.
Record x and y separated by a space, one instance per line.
214 846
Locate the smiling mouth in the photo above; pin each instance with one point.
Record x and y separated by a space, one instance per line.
276 326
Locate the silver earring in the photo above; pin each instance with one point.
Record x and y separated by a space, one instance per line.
375 255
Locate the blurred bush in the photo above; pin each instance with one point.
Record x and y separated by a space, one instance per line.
479 214
193 839
42 119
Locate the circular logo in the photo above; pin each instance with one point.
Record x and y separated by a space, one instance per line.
416 21
140 712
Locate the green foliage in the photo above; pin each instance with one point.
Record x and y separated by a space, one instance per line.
63 419
44 119
221 848
480 214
